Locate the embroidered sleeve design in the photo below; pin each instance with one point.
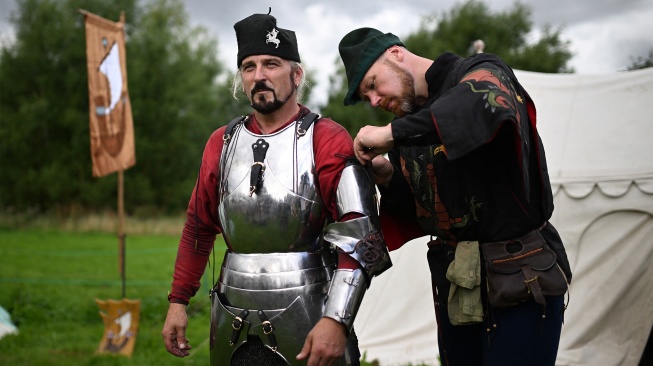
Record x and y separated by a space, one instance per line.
499 91
418 168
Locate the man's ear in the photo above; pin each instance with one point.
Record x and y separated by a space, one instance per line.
298 76
395 53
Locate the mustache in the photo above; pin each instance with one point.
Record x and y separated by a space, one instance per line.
384 103
260 86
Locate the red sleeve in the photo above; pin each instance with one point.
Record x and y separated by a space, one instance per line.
333 146
201 227
398 216
397 230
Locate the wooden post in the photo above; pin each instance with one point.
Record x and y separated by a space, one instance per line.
121 229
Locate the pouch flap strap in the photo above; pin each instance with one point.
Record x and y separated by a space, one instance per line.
533 285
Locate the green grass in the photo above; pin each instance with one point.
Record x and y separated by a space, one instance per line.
49 281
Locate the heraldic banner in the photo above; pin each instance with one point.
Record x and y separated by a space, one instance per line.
120 319
111 124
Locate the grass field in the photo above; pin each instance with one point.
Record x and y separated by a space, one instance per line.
49 281
50 278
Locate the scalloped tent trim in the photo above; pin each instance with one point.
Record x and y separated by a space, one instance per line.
613 189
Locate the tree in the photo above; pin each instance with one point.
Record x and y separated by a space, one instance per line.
641 62
44 152
44 135
176 103
504 34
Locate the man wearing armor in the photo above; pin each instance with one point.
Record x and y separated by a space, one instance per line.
298 214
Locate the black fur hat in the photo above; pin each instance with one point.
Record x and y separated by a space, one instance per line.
258 34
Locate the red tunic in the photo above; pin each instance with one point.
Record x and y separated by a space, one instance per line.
332 146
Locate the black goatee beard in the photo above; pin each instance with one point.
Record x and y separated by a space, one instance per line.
266 107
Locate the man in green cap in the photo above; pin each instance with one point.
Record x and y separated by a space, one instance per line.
297 212
466 166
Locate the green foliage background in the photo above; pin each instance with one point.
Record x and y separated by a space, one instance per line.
504 33
179 93
177 103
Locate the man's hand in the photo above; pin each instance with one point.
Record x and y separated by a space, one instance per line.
372 141
174 330
383 170
325 344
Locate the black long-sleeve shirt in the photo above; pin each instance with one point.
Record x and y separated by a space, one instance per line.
471 157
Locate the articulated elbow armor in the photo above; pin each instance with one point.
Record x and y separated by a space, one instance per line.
361 239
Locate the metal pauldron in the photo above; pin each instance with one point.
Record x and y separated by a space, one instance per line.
345 296
360 237
356 193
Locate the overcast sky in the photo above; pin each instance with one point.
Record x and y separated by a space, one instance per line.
605 34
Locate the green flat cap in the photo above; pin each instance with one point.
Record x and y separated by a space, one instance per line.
359 49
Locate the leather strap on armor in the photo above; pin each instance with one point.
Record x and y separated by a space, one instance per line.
306 122
259 149
268 330
237 325
230 128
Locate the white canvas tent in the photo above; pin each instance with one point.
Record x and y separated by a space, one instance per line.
597 132
6 326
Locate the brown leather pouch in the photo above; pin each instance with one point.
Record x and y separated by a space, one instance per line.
522 269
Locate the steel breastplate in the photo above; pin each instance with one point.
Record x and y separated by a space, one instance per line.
285 213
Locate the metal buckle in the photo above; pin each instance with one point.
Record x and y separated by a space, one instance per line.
267 327
237 324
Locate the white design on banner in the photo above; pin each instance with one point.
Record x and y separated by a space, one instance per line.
110 67
125 323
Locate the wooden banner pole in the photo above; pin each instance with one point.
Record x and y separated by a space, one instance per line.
121 229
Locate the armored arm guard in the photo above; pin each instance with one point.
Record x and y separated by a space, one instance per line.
361 238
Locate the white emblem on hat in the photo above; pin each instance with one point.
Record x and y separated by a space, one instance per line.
272 37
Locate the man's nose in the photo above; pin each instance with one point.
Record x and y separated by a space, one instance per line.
375 99
260 74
